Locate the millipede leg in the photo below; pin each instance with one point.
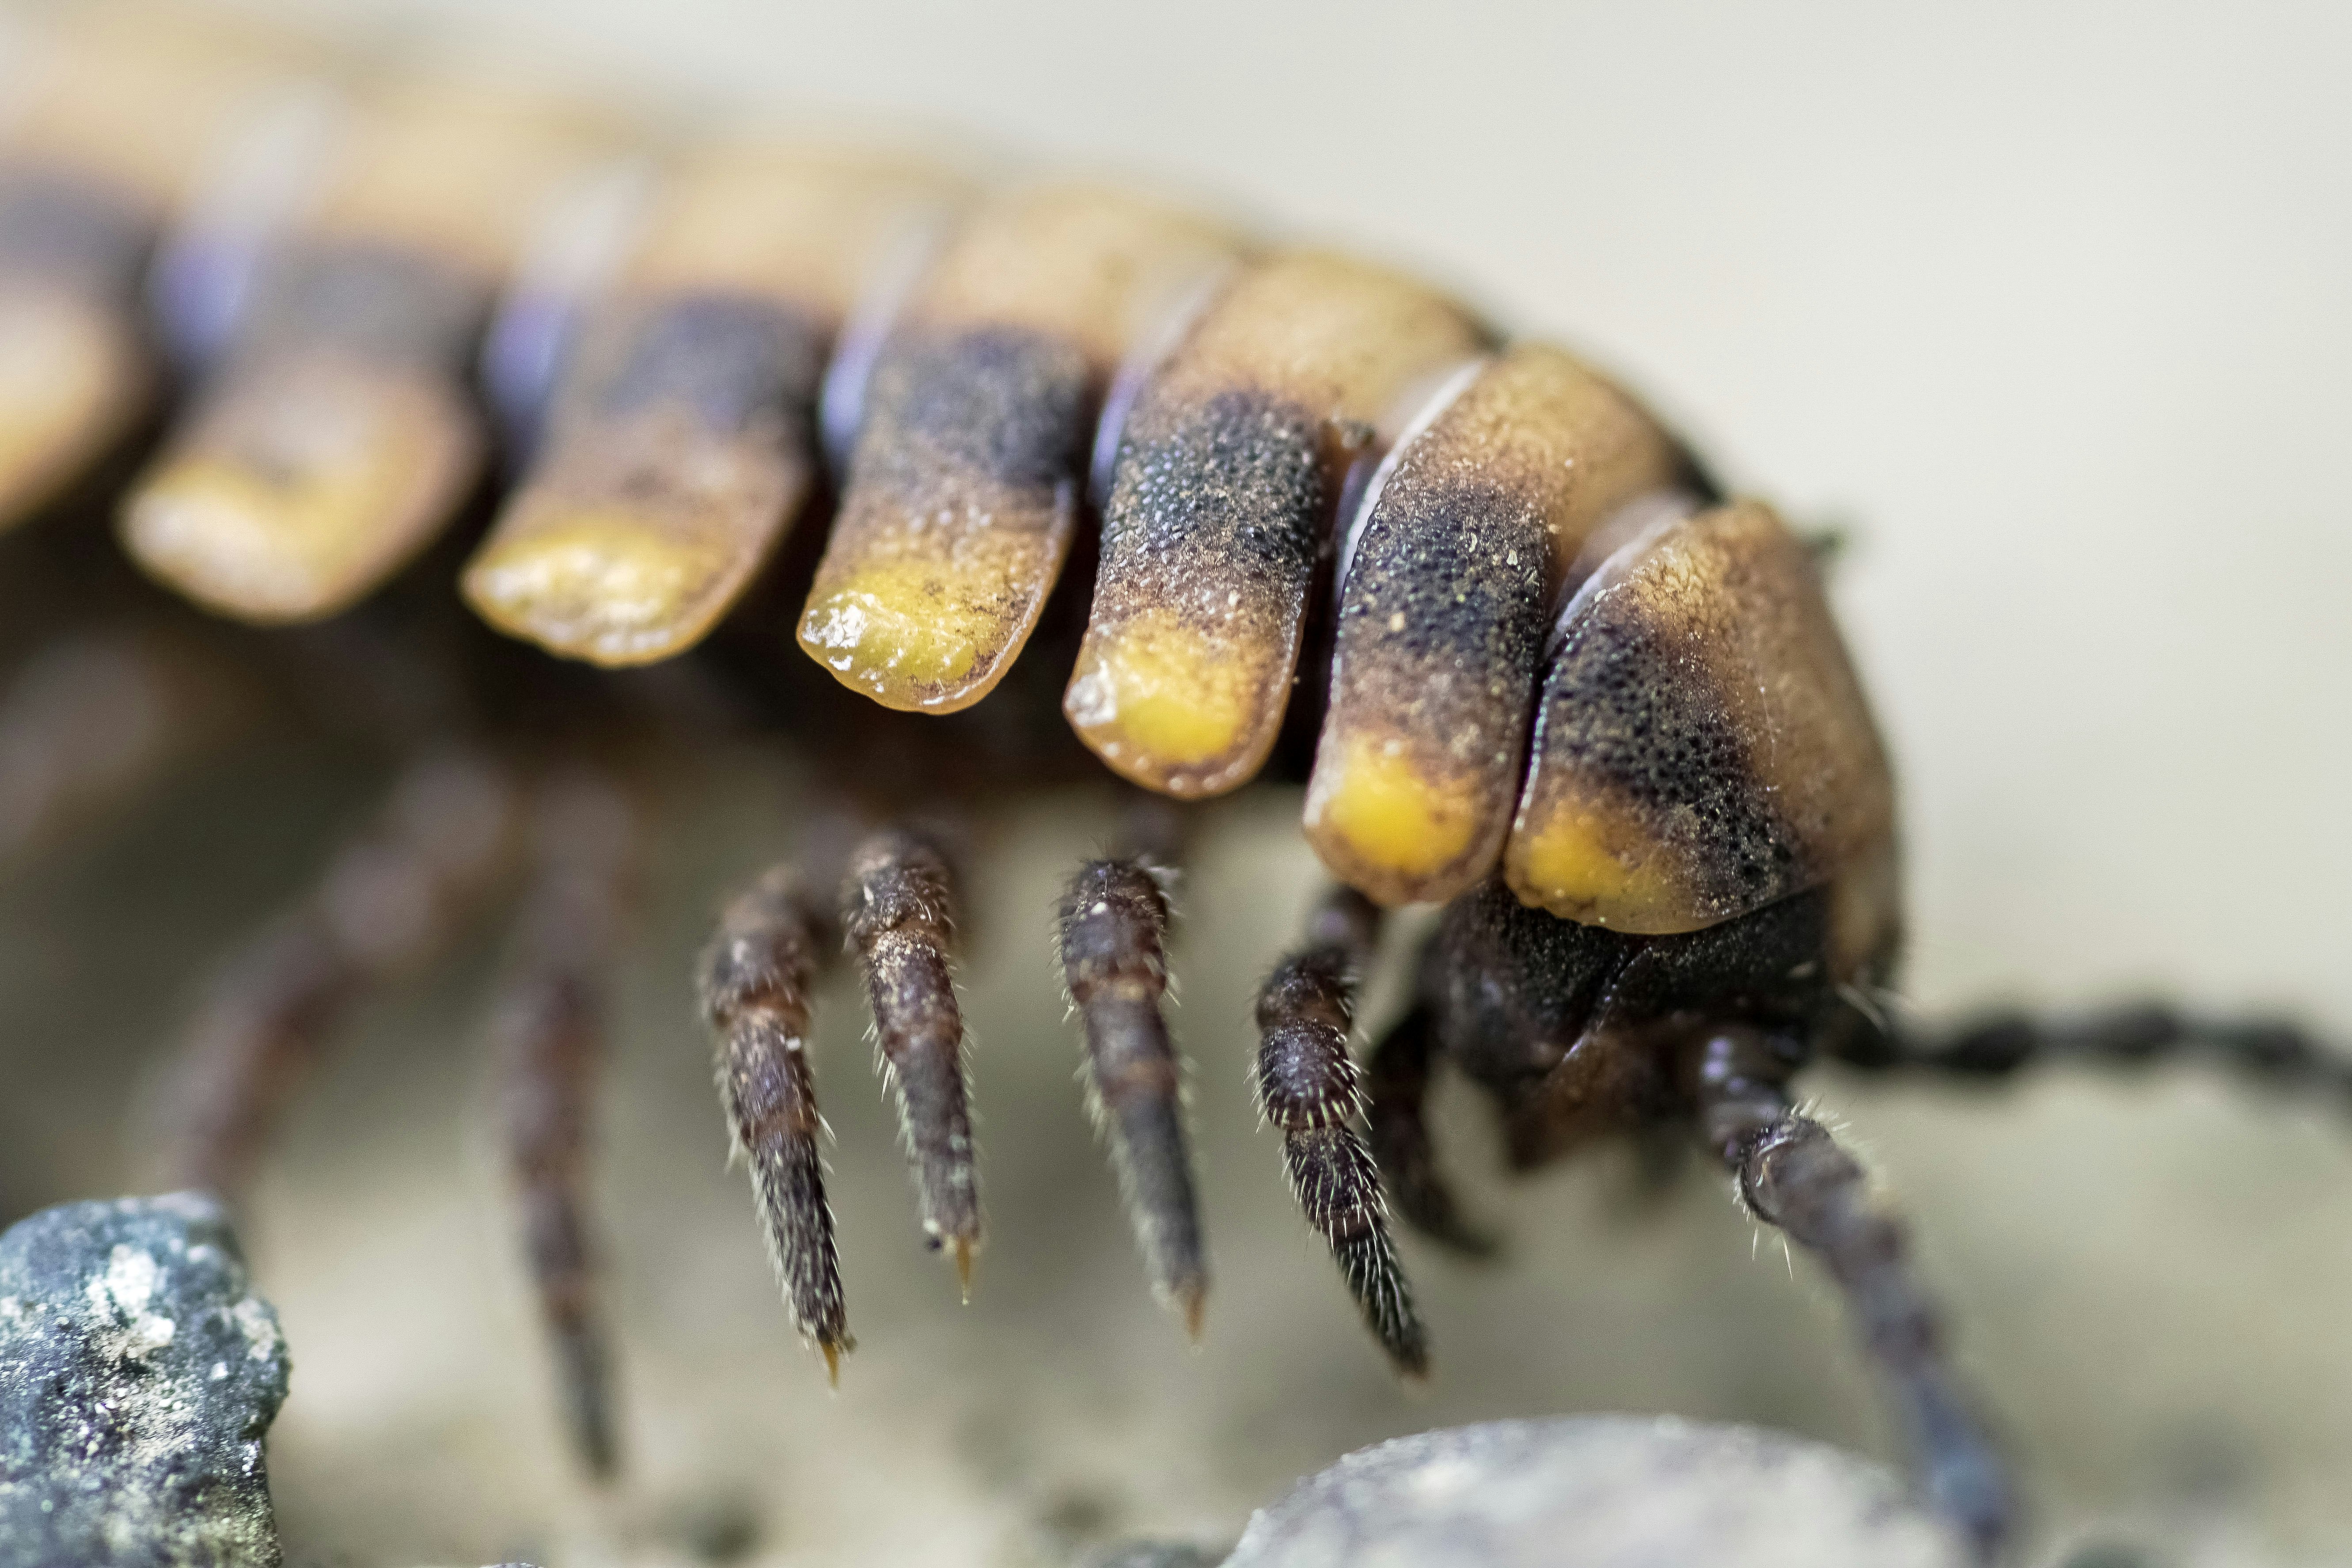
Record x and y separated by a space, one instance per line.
773 942
1396 1085
1310 1087
1114 923
898 906
1792 1175
390 897
2269 1051
549 1027
90 720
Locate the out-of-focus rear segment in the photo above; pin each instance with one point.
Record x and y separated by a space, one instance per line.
341 436
114 116
683 442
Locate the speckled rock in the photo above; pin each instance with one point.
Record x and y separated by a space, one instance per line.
138 1374
1608 1491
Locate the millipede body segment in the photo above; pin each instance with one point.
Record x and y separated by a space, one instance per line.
828 429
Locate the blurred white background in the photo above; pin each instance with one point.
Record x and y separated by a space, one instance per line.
2048 303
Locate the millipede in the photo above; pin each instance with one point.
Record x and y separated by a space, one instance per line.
539 450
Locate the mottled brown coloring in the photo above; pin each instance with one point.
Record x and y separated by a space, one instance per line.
1703 747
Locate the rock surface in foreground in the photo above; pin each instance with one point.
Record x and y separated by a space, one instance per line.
1609 1491
138 1374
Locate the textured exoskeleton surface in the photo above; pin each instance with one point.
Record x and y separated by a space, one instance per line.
1701 747
681 446
1442 614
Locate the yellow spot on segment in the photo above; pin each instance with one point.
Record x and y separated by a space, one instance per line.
302 496
1154 692
1372 806
260 546
67 385
1567 865
893 628
923 623
599 584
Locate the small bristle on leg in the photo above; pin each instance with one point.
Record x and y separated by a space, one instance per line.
1114 922
549 1027
773 942
898 906
1311 1089
1792 1175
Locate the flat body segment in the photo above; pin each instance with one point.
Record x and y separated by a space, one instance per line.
341 436
682 443
1703 747
964 479
1229 470
1443 618
74 375
110 125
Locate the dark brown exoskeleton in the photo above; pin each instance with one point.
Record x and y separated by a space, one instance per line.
1532 665
1698 897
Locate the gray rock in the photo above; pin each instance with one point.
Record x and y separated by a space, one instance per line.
1608 1491
138 1374
1153 1554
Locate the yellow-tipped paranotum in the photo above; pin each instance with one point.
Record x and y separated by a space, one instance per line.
1229 470
609 584
1442 616
1604 866
298 492
113 119
72 378
1377 804
1702 746
341 436
680 447
918 624
1162 698
963 483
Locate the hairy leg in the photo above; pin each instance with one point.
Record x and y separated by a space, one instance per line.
1310 1087
390 897
1792 1175
547 1027
1113 928
93 718
773 942
898 906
